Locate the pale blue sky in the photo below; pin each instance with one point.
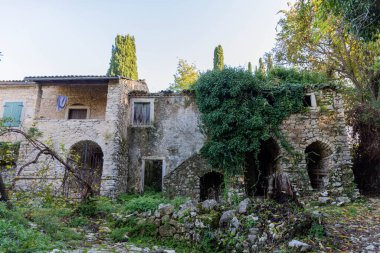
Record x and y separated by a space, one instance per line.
74 37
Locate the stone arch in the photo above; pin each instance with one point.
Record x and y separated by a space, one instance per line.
257 171
86 156
317 157
211 185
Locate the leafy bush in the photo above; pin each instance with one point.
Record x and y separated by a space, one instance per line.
149 202
97 206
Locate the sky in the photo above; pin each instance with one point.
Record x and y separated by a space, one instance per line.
74 37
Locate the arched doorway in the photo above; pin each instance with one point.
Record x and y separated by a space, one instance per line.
87 159
211 186
317 161
257 171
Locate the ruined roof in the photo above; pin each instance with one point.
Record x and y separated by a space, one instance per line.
163 93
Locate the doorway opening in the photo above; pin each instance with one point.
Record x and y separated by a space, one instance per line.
211 186
257 171
317 161
153 173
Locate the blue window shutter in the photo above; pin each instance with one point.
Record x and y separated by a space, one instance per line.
12 114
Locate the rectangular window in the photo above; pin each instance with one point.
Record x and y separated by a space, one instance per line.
141 113
12 114
309 100
77 114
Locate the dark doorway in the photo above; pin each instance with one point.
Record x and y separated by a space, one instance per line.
258 170
87 159
211 186
317 163
153 175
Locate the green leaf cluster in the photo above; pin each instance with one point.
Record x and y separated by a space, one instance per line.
123 59
240 110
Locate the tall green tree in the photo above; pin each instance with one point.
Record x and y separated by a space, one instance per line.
123 58
309 39
186 75
269 62
261 66
218 58
250 67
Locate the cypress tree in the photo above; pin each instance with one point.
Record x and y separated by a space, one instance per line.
123 58
249 67
261 66
269 62
218 58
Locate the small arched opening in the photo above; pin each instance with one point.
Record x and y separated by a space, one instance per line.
211 186
317 160
258 170
87 159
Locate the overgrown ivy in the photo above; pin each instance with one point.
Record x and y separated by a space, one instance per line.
240 110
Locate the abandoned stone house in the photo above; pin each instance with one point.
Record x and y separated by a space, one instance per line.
128 139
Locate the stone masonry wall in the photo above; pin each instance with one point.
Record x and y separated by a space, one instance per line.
174 136
324 124
92 96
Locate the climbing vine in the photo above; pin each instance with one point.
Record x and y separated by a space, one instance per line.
240 110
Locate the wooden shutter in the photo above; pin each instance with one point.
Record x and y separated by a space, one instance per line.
141 114
12 114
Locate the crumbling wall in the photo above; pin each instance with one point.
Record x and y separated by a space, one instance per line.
174 135
324 124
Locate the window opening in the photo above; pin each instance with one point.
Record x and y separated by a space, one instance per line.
75 113
141 113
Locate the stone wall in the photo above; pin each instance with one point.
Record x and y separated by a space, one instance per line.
93 96
106 127
173 137
24 92
324 124
185 179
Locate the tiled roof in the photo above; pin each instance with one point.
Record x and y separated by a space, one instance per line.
72 78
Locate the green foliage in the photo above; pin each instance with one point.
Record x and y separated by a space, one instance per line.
317 230
187 74
261 67
150 202
218 58
269 62
17 236
8 154
363 16
308 38
123 59
96 207
250 67
239 111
